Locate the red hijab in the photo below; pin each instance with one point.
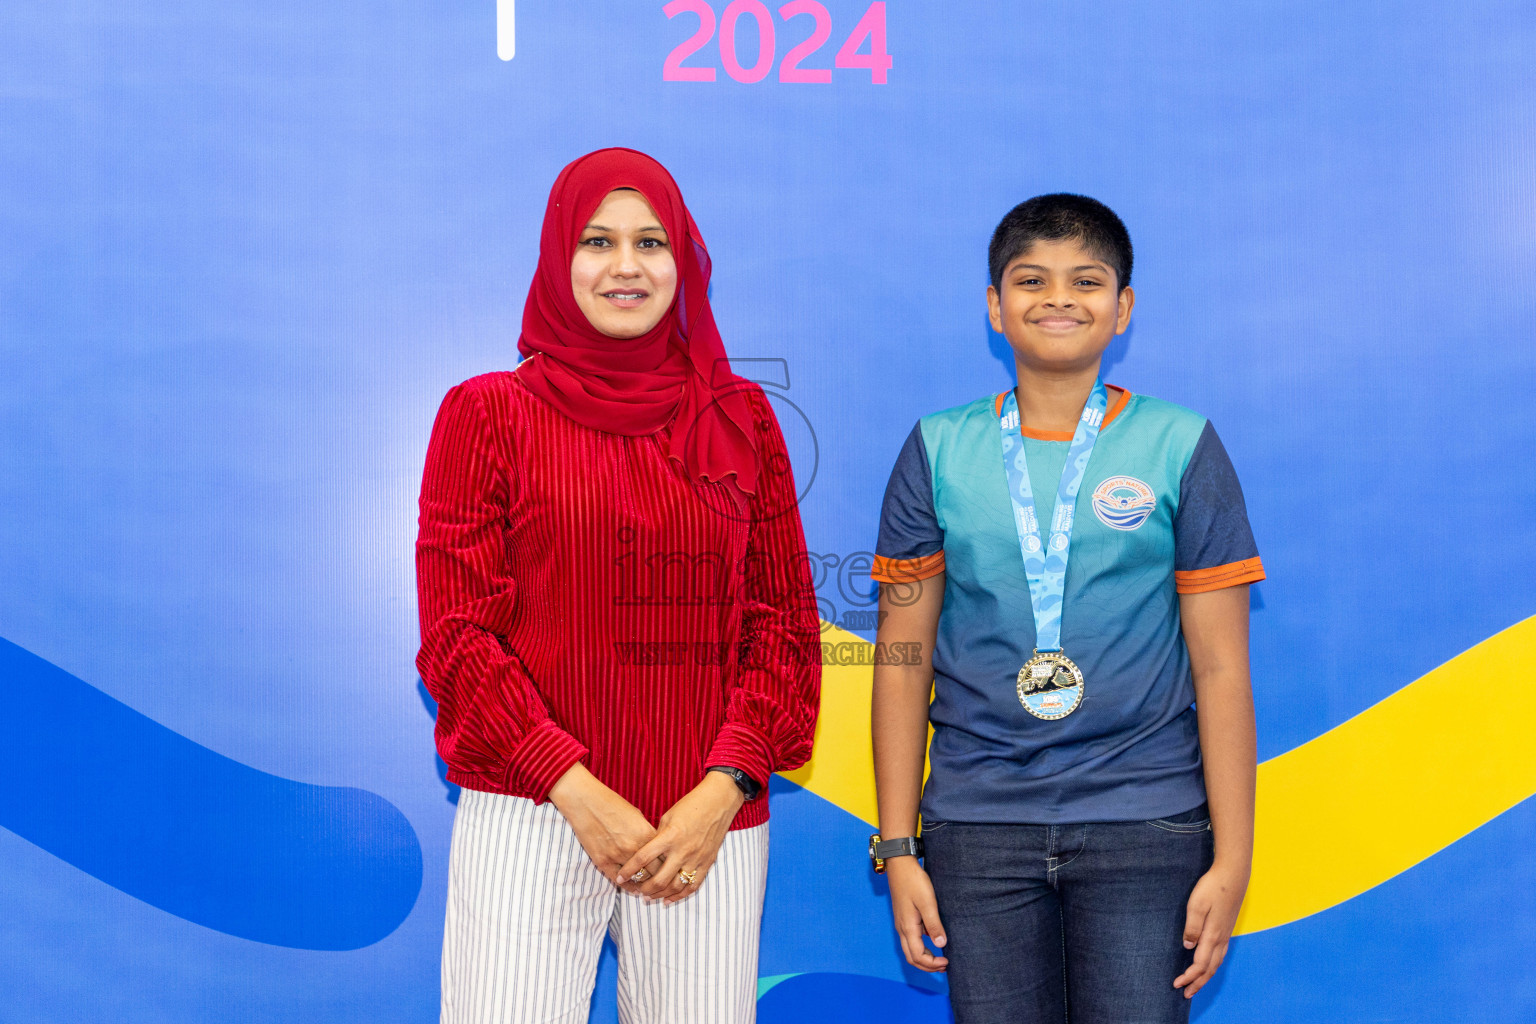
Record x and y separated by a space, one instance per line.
677 373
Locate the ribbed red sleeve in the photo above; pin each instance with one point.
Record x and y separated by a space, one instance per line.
582 598
492 722
771 715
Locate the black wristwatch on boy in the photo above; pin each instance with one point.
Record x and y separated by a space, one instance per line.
882 850
749 786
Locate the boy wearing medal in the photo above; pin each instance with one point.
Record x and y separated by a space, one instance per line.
1074 562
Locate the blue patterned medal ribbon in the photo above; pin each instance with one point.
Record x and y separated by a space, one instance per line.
1045 563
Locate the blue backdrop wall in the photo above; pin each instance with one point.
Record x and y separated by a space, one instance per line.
245 247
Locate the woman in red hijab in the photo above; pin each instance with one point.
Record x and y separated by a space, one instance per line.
618 625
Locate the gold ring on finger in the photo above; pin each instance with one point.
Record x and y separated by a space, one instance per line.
687 877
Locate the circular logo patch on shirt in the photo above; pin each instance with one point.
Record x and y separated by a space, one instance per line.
1123 502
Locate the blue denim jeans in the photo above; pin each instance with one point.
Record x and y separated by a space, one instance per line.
1043 920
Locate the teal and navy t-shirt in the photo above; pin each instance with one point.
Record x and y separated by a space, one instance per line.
1160 513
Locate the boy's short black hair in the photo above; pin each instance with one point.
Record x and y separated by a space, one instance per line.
1058 216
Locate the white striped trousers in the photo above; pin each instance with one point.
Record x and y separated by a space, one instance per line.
527 911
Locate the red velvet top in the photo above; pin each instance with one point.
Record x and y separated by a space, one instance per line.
582 599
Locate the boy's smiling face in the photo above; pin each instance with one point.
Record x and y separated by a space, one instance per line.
1059 306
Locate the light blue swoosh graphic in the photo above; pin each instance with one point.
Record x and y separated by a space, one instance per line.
849 997
189 831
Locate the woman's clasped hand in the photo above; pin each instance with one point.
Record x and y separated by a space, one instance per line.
666 863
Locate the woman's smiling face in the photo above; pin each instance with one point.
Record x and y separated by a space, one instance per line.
623 274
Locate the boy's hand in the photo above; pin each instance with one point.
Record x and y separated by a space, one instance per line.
1212 915
916 913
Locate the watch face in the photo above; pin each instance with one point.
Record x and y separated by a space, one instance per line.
878 863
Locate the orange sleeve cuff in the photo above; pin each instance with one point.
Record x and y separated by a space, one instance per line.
907 570
1219 577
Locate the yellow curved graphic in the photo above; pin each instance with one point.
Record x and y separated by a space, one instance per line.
1339 814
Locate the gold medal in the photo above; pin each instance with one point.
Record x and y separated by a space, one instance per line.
1050 685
